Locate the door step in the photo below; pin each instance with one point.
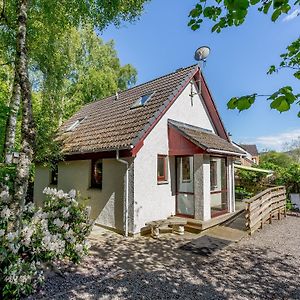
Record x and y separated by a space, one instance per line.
193 228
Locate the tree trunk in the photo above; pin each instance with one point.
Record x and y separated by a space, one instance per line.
10 135
28 133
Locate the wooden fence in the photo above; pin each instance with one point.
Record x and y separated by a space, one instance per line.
264 206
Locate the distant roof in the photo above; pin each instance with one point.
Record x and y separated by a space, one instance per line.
116 123
205 139
252 149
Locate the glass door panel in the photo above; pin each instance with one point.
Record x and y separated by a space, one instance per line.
218 183
185 185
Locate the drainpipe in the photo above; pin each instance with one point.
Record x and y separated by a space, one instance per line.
126 185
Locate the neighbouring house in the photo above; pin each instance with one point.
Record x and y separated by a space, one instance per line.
251 157
155 150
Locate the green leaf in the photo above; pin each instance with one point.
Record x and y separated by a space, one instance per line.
232 103
195 27
208 12
297 75
280 104
276 14
242 4
215 27
196 12
266 7
278 3
191 22
244 102
253 2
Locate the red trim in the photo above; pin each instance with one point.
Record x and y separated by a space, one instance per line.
180 145
209 103
212 109
137 147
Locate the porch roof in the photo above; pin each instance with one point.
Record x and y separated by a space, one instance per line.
206 139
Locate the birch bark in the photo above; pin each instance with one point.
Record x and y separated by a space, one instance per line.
28 133
11 126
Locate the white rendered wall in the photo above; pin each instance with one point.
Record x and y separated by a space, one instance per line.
157 201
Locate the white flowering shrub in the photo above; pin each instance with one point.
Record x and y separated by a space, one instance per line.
34 236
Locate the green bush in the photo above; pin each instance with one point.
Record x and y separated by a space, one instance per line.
33 236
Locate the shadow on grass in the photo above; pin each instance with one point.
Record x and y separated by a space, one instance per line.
159 269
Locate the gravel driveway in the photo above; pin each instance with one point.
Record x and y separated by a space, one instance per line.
264 266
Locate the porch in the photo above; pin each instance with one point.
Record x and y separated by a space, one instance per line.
203 175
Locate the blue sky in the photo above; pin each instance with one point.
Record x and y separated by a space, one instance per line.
160 42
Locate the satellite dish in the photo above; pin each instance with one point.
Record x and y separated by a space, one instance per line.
201 53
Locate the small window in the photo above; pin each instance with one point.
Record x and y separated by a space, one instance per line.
186 169
162 168
213 174
142 100
97 173
74 125
54 175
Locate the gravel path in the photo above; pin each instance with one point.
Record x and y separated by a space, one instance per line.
264 266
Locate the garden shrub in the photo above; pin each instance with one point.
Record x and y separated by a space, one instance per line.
34 236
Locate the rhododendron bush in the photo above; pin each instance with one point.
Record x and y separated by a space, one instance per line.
32 236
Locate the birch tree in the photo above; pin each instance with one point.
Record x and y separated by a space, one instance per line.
31 21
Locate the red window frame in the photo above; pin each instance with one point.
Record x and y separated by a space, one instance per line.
163 178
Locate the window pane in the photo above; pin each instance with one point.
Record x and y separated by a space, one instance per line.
97 173
186 169
162 168
213 174
185 174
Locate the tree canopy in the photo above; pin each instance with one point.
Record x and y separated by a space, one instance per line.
228 13
58 64
83 69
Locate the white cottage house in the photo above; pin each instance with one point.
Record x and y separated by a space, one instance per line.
152 151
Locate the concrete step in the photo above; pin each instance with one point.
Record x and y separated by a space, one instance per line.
192 228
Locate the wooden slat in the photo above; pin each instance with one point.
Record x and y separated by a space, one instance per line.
264 206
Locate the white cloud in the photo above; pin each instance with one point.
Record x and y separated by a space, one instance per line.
292 15
275 142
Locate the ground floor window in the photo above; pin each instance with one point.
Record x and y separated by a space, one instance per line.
97 173
162 168
218 185
54 175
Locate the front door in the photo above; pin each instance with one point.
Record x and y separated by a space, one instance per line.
185 204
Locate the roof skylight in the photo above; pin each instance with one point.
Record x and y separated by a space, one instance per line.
143 100
73 126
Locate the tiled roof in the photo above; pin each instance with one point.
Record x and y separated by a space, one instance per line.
205 139
111 123
252 149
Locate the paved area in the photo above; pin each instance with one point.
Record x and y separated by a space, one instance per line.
263 266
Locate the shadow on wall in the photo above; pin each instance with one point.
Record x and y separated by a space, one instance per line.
158 269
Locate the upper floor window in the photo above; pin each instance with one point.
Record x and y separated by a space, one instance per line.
142 100
162 168
97 173
74 125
